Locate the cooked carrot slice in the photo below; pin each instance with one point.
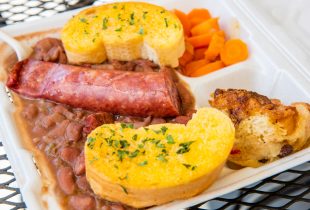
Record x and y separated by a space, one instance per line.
205 27
199 53
188 54
208 68
234 51
200 41
184 20
216 45
197 16
194 65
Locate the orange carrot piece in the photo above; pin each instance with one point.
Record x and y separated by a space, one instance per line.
199 53
188 54
216 45
184 20
234 51
200 41
205 27
197 16
208 68
194 65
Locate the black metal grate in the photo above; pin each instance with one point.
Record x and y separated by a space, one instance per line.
287 190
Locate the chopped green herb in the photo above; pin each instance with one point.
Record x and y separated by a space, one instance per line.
91 142
163 129
121 154
164 151
161 157
143 163
146 129
123 7
104 23
188 166
140 146
115 7
85 32
157 132
166 22
126 125
123 178
124 143
175 25
163 11
169 139
160 145
115 166
101 144
132 19
93 160
135 137
118 29
141 31
144 15
94 39
124 189
184 147
83 20
95 16
134 154
116 143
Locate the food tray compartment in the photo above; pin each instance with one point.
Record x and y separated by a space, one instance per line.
264 72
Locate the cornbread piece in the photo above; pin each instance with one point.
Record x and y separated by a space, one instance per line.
124 31
119 92
159 163
266 130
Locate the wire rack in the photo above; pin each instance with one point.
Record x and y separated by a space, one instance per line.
287 190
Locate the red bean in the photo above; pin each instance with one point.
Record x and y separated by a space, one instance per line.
65 180
69 155
82 202
79 166
117 207
83 184
158 121
59 130
74 131
30 112
181 119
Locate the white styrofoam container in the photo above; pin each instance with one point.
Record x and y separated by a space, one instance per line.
276 33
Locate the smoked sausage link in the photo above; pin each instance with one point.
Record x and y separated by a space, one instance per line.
118 92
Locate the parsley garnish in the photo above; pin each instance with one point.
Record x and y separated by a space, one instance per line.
134 137
121 154
124 189
162 157
83 20
91 142
118 29
163 129
169 139
93 160
143 163
134 154
141 31
124 143
126 125
188 166
146 129
104 23
163 11
115 7
144 15
132 19
184 147
166 22
123 178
